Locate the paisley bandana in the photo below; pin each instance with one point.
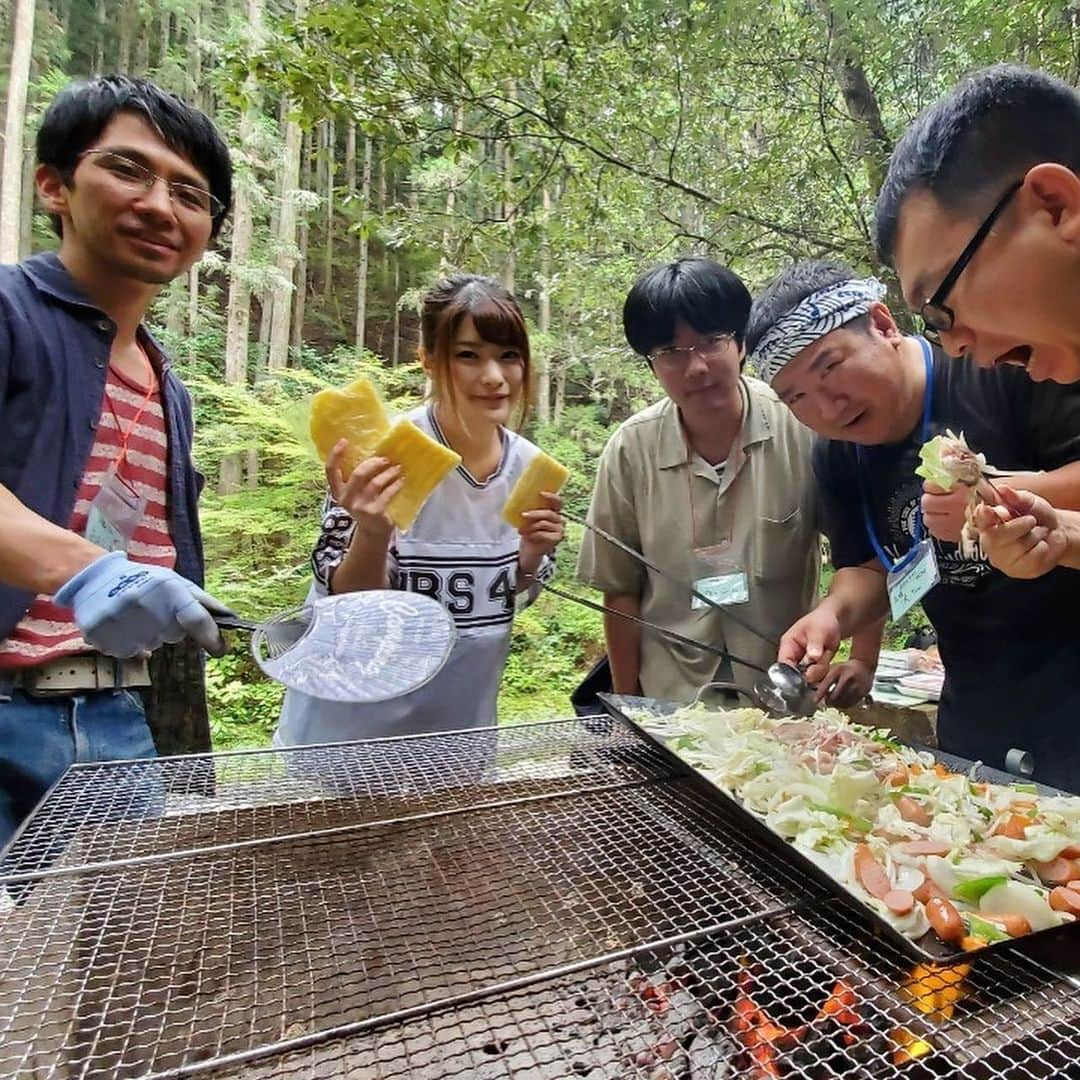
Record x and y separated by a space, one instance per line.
812 318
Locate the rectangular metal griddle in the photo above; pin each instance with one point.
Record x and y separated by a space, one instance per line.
929 948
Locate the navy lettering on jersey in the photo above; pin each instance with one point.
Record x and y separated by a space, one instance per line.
460 592
502 588
425 582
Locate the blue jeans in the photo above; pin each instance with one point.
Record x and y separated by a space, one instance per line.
41 736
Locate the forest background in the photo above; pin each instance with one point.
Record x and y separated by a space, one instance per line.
561 145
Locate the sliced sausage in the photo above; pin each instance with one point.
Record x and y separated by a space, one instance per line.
1058 871
1071 852
1013 925
924 847
870 873
945 919
912 810
899 901
928 890
1066 898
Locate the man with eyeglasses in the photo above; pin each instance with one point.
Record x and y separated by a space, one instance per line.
980 213
829 347
713 484
100 552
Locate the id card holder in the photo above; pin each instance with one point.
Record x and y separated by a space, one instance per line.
913 578
115 514
718 574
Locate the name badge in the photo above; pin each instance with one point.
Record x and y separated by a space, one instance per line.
115 514
719 575
913 579
722 589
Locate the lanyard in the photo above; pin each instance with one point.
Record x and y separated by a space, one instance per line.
125 436
864 493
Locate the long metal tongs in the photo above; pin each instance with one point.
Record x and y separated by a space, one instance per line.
674 579
783 690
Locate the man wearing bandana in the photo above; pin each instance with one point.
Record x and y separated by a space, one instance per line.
831 350
712 484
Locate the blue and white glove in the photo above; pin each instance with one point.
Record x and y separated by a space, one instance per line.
125 608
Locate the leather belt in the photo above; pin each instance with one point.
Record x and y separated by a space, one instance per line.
82 673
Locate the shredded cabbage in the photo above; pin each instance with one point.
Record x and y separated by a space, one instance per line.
826 785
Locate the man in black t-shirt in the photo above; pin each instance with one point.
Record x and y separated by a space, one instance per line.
833 353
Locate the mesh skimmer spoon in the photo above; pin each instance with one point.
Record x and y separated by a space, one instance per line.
357 647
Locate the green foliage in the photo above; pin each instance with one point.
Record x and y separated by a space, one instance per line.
554 644
244 707
563 144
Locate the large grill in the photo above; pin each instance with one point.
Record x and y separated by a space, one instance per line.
545 901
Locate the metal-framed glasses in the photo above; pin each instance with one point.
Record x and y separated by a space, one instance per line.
131 174
678 356
936 315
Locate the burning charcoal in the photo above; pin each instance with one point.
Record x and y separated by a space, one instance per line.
687 1010
816 1046
870 1046
710 1058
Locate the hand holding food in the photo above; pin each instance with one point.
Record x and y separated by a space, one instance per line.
945 512
365 493
1024 542
955 485
543 477
541 532
350 427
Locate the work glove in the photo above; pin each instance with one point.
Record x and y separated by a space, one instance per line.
125 608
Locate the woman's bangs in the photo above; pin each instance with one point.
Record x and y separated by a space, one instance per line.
497 322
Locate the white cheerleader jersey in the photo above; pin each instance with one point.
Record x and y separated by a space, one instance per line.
459 551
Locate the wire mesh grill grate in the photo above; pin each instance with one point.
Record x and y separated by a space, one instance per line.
544 901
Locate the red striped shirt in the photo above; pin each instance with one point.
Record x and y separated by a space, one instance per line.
47 631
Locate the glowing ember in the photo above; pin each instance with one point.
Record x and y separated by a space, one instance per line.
936 990
840 1005
837 1024
907 1046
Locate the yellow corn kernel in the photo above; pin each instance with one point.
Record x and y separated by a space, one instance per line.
423 462
355 413
543 473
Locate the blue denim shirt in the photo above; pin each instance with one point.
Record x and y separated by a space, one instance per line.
54 357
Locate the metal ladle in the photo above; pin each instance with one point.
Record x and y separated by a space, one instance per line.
785 691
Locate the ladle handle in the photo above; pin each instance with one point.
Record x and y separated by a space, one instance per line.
670 634
233 622
724 685
708 601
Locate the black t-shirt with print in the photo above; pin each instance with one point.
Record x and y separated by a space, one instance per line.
1011 648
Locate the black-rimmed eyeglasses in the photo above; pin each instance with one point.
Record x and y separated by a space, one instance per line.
187 197
936 315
